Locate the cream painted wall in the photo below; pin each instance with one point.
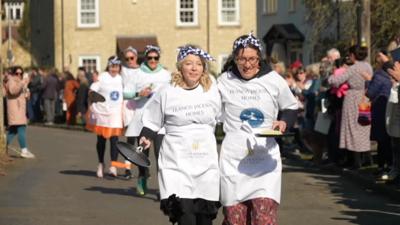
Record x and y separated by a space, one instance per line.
145 17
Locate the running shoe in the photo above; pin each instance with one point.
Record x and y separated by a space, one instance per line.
113 171
391 175
99 172
27 154
140 188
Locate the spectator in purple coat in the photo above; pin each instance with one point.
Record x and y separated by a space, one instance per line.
378 92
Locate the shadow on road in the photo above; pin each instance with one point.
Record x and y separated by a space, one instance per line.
151 193
366 207
87 173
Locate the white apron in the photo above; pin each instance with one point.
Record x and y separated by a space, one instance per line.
188 160
143 80
250 170
108 113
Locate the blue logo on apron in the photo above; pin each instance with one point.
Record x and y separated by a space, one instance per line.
253 116
114 95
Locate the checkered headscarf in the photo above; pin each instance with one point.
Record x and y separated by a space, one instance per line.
152 48
187 50
246 41
114 61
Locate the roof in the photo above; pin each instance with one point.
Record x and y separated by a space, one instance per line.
283 32
138 42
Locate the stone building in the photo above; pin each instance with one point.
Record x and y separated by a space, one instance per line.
87 32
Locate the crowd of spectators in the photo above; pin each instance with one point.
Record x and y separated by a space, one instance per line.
332 123
56 97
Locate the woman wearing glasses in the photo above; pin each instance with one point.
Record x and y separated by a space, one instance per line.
252 95
16 94
148 80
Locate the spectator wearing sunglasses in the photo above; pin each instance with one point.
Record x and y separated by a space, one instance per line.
16 95
148 80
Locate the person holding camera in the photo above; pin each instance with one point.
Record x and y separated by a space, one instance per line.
378 92
16 94
393 113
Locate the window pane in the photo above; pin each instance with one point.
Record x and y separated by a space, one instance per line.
229 15
11 13
228 4
187 17
272 6
88 12
18 14
88 17
185 4
88 4
187 11
89 64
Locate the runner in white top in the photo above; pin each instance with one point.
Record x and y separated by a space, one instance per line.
128 74
188 163
252 95
141 89
106 117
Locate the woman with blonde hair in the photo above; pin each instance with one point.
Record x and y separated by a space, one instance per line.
188 173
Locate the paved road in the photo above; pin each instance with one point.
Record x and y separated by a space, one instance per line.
60 188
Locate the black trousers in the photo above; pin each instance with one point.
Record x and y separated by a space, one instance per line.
385 152
195 219
396 152
186 211
101 148
144 171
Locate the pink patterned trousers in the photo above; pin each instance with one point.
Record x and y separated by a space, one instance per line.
258 211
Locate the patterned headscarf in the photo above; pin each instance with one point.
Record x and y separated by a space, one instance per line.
246 41
131 49
114 61
150 48
187 50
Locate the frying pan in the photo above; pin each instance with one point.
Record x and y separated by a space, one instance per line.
132 154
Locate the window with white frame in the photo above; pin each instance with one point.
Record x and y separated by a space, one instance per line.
13 10
228 13
292 5
90 63
187 12
272 6
88 13
222 58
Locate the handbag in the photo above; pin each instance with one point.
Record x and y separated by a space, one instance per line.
323 123
364 112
